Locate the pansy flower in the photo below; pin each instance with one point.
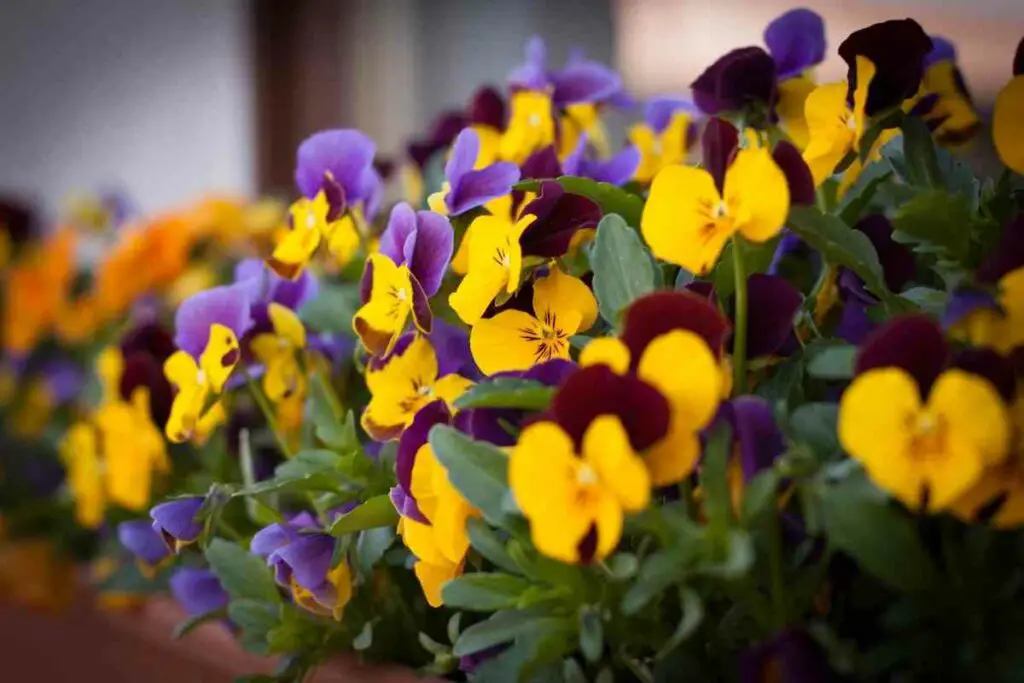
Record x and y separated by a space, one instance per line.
692 212
742 79
145 348
468 183
796 41
207 329
773 304
198 591
923 429
433 512
757 442
301 553
617 169
579 81
531 126
516 340
1008 117
791 655
665 136
886 60
281 352
177 521
402 384
944 101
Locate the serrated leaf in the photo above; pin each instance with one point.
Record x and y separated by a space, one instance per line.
935 219
507 392
611 198
484 591
243 575
477 469
371 514
623 270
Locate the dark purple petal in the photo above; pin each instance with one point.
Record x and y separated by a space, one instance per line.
942 50
797 172
771 310
655 314
451 344
415 436
964 301
272 538
176 520
142 369
584 81
754 429
552 372
309 557
897 48
791 656
227 305
334 347
366 282
897 260
559 215
618 170
789 245
596 390
346 154
741 77
1007 256
855 325
488 424
433 251
852 287
476 188
487 108
660 111
796 41
18 219
994 367
198 591
149 338
914 343
406 505
462 157
542 164
139 538
719 143
441 134
64 379
532 74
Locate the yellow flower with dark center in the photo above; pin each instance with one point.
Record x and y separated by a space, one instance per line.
403 384
311 223
495 262
688 220
514 340
382 319
924 452
576 502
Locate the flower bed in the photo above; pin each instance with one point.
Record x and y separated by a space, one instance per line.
736 399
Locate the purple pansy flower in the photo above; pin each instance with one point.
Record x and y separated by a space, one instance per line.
345 156
772 308
660 110
300 553
737 79
269 287
468 188
142 541
617 170
267 543
176 521
796 41
198 591
755 432
227 305
579 81
64 380
421 240
451 344
792 654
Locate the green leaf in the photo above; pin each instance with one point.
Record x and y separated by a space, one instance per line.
243 575
660 570
714 480
759 494
859 197
693 614
375 512
757 258
591 634
507 392
623 566
503 627
880 123
486 542
831 361
623 270
936 219
931 301
815 425
335 430
484 591
477 469
364 640
922 163
733 559
611 198
256 618
371 546
333 308
192 623
876 533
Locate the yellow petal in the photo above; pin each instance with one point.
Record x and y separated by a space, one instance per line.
512 340
186 410
1008 124
343 240
793 93
419 539
606 351
450 387
79 451
265 347
830 136
865 74
436 200
432 578
974 412
399 389
565 302
608 522
622 473
757 194
283 377
287 325
422 481
382 318
1011 299
646 141
220 356
460 262
109 368
476 291
678 221
673 139
531 126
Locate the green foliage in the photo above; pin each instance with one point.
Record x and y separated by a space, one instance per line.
611 199
477 469
370 514
506 392
623 269
243 575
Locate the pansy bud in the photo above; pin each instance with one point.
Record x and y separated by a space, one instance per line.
177 521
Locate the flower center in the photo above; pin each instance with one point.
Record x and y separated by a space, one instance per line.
201 377
928 440
721 210
534 120
401 295
310 221
586 475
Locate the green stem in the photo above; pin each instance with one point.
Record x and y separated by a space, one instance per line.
268 413
778 590
739 347
329 393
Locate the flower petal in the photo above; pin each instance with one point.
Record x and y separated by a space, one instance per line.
606 447
559 214
511 340
476 188
757 194
974 412
346 154
914 343
798 174
227 305
677 224
897 48
561 298
796 41
772 308
1007 126
655 314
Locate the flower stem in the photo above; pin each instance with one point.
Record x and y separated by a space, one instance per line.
268 413
777 583
739 345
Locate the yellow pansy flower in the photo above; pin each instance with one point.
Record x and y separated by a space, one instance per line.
531 126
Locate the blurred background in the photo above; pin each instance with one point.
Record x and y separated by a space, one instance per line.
171 100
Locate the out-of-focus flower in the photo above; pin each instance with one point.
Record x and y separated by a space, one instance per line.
665 136
796 41
177 521
618 169
742 78
944 101
580 81
470 181
790 656
198 591
140 538
1007 129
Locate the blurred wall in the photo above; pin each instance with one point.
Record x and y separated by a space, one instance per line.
151 95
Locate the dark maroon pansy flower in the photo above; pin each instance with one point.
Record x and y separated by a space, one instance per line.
655 314
441 134
487 108
17 220
559 215
1007 256
912 342
771 309
740 78
542 165
145 348
790 656
897 48
596 390
719 144
797 172
1018 59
